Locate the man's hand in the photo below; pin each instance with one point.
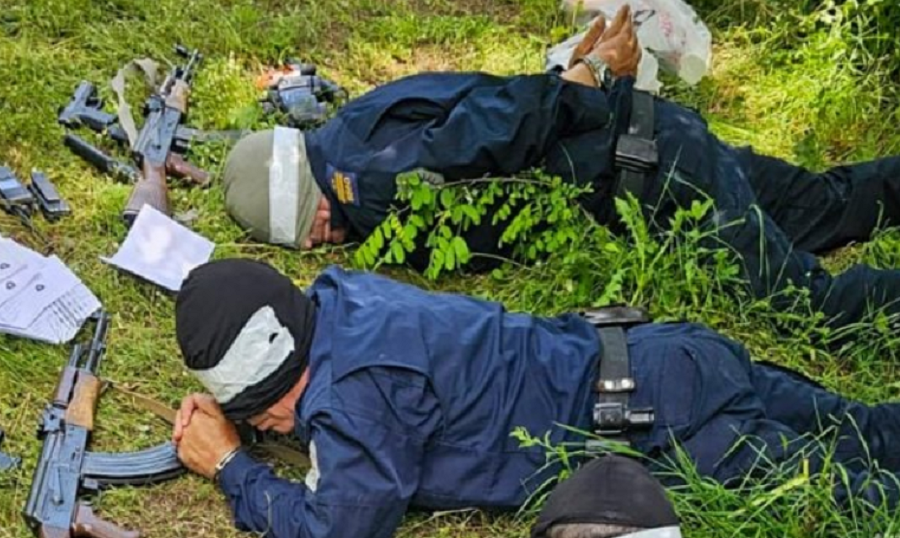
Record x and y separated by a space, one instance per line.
321 231
589 42
207 439
191 403
618 46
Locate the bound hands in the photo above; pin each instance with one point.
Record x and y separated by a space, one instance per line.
321 231
202 434
616 45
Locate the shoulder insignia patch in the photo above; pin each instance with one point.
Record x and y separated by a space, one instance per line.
344 185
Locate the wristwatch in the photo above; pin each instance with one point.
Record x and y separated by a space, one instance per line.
600 70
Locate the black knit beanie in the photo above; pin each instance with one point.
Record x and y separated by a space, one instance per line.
244 330
610 490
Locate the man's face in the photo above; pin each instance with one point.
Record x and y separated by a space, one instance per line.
255 355
278 418
321 231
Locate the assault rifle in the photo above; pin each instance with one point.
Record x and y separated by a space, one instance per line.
66 469
162 139
165 111
85 109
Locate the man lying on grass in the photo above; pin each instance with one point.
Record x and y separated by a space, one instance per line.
407 398
339 181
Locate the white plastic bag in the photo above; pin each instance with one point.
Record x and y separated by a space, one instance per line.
669 30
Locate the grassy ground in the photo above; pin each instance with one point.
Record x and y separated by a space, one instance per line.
787 95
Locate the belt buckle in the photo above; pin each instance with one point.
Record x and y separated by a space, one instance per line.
636 153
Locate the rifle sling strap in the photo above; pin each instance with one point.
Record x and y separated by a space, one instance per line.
150 69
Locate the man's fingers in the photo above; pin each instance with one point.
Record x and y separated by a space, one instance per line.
192 403
589 41
177 429
596 30
209 406
633 43
188 404
622 17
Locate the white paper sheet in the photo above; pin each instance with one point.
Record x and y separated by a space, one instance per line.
29 294
41 298
160 250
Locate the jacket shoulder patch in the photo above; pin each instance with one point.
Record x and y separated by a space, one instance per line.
345 185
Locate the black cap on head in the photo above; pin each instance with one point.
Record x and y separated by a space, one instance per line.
610 490
245 331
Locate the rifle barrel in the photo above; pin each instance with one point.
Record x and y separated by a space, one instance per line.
98 343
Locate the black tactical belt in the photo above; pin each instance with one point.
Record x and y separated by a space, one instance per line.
636 154
613 417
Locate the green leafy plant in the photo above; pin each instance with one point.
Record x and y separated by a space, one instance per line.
539 214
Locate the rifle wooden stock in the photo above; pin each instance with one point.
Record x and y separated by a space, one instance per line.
84 401
178 167
87 524
150 189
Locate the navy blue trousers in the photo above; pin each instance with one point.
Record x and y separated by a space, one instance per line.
735 417
778 217
816 213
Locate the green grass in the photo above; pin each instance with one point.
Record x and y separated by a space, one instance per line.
788 94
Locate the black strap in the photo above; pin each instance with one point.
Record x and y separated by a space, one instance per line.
636 153
613 384
613 417
615 369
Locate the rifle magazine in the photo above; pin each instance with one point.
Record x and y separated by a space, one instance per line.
148 466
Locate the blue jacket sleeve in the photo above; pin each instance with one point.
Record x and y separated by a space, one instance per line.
462 125
364 473
507 128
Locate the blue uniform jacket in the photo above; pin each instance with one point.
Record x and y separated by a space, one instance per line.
411 402
462 126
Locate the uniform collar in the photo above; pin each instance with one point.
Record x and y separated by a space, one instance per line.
317 394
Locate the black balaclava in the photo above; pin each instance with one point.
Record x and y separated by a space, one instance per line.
244 330
611 490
